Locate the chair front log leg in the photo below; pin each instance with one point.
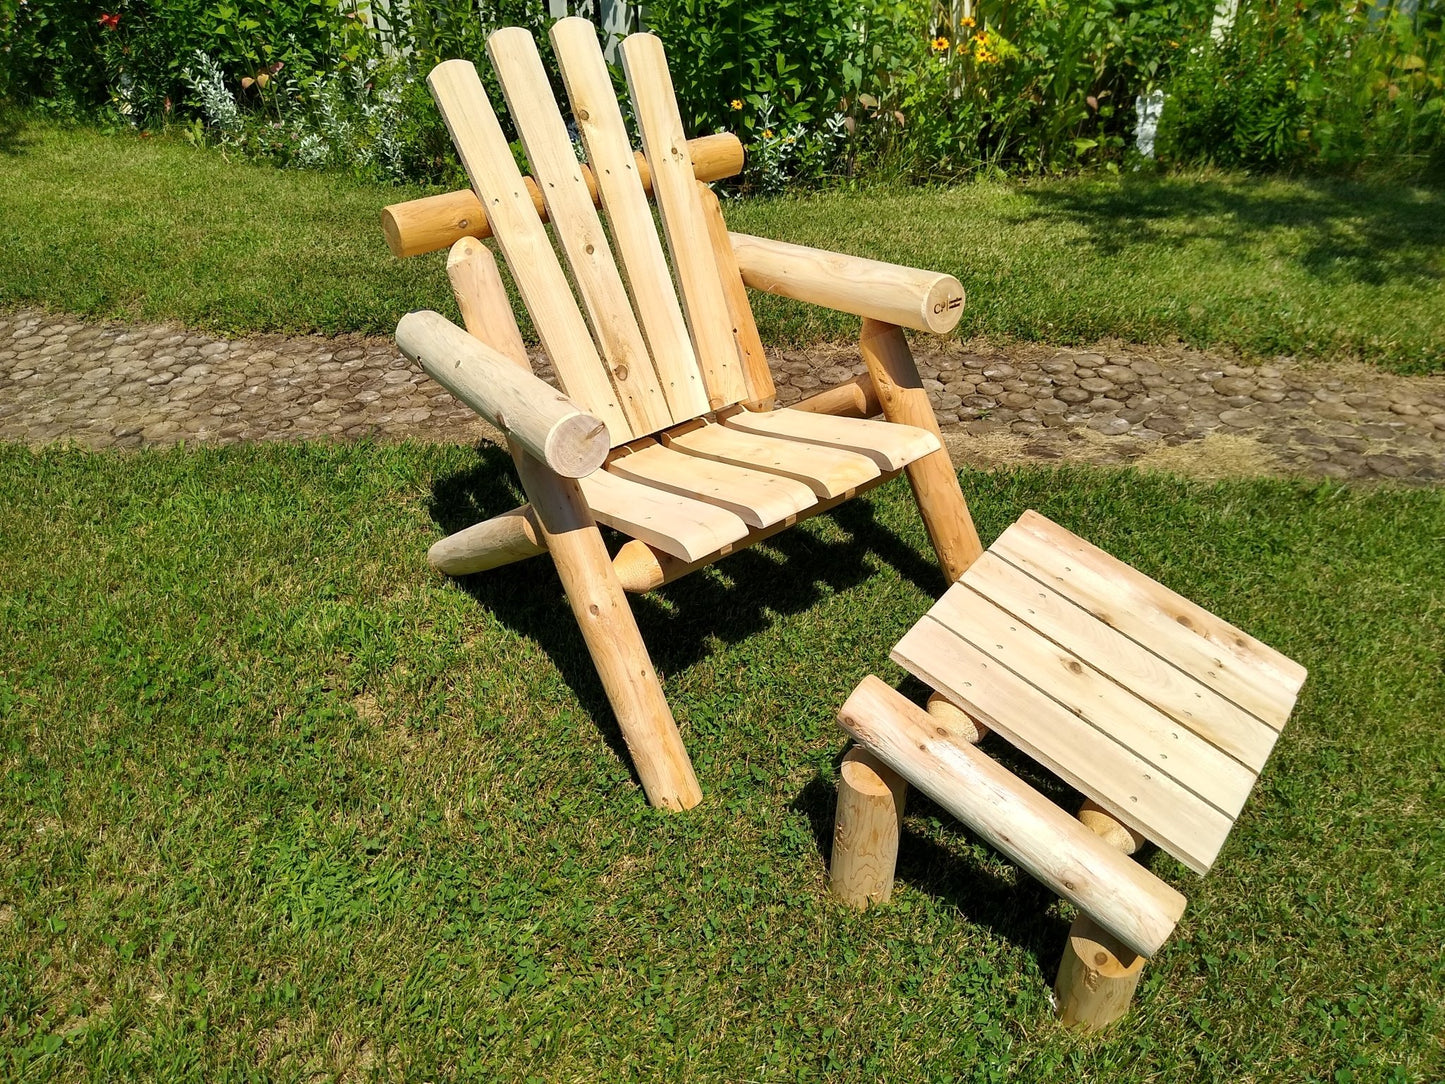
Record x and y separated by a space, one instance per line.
612 636
935 483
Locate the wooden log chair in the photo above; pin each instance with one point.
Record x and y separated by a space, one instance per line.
665 428
1160 713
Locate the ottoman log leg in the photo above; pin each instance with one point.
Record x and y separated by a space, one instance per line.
865 829
1097 977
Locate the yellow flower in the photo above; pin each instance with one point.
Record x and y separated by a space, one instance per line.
940 44
981 37
767 133
735 104
966 21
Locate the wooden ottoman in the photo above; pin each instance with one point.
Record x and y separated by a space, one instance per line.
1160 713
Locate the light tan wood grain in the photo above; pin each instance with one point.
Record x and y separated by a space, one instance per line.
1146 612
1193 704
1172 749
890 445
1259 658
570 440
675 186
613 639
578 228
757 375
1118 893
501 540
620 187
685 528
829 472
1097 977
641 567
559 520
866 824
905 296
431 223
758 498
519 231
1131 788
851 399
935 482
482 299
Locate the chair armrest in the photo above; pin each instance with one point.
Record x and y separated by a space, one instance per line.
905 296
572 442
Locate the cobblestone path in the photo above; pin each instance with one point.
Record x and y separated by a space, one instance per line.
105 385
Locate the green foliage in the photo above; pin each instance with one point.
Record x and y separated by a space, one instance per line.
276 803
130 55
822 91
1035 86
916 90
1316 86
295 82
776 70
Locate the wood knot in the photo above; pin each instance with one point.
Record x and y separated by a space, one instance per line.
620 372
1183 619
1073 665
581 114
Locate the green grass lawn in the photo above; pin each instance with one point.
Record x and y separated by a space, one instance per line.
155 229
279 804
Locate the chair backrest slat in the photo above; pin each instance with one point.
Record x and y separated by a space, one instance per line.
609 153
487 158
578 229
674 185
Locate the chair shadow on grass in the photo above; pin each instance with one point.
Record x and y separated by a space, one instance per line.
787 574
947 868
1343 232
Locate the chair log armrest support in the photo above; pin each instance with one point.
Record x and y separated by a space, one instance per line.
889 298
891 294
550 426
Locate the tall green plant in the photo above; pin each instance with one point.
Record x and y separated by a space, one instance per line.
1315 86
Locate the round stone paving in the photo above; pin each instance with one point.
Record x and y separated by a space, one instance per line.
111 385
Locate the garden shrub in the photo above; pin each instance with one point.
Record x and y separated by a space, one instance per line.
821 91
1356 88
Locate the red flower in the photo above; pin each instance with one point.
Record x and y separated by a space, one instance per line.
110 22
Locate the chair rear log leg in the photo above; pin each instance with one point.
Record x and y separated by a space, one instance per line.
613 639
935 483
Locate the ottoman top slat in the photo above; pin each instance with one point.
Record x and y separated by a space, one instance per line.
1156 709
